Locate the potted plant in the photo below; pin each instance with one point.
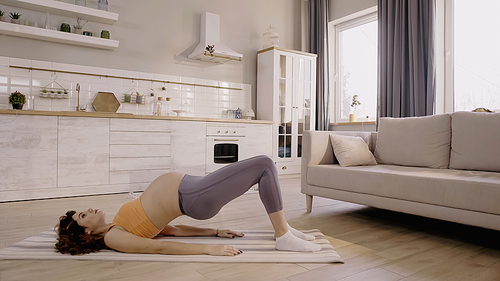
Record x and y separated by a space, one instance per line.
79 26
15 18
355 103
210 48
1 15
17 100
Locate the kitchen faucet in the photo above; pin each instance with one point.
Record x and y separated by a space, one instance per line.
78 108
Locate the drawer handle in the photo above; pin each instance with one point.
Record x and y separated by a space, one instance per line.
224 140
283 168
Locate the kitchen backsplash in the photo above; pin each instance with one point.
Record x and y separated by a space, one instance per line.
200 101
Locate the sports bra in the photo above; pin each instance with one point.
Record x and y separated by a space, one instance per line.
132 217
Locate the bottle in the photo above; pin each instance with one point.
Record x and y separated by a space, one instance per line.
150 103
47 21
167 107
158 107
238 114
29 103
102 5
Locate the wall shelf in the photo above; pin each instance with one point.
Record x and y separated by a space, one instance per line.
56 36
64 9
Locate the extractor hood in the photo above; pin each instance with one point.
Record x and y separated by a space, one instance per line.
210 36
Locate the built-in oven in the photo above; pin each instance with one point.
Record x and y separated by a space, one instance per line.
224 145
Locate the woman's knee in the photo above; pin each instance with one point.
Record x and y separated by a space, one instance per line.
265 160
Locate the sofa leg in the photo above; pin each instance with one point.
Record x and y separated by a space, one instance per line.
309 202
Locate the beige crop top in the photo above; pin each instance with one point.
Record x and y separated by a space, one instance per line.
132 217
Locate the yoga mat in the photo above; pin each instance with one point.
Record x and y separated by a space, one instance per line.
257 246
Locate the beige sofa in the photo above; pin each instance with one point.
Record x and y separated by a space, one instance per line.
444 166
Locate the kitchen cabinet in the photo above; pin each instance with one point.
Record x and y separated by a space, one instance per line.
188 147
60 154
63 9
139 151
82 152
286 87
29 153
258 141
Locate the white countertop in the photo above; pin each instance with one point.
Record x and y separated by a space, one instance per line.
128 116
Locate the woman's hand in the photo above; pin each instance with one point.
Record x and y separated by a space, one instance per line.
222 250
228 233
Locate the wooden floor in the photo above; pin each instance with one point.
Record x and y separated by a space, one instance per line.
376 244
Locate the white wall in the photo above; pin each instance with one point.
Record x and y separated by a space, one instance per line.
342 8
156 36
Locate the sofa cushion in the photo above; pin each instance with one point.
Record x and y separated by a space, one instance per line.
414 141
351 151
468 190
475 141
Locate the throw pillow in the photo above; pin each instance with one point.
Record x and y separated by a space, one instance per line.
475 141
414 141
351 151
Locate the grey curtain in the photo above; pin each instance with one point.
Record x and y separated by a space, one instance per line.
406 57
318 44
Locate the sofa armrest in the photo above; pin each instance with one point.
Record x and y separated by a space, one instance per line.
317 149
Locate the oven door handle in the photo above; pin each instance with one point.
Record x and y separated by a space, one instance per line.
225 140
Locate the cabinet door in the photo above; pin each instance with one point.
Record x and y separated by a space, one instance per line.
83 151
188 147
258 141
304 99
29 152
286 112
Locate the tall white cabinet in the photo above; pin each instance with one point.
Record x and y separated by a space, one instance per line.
286 90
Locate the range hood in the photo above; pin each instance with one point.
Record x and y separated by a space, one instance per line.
210 36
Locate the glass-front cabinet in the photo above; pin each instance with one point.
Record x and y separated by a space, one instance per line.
285 94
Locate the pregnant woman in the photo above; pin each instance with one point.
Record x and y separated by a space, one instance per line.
172 195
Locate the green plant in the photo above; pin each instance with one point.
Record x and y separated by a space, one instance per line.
15 16
355 102
1 13
17 98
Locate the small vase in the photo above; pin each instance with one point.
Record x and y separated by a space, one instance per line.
352 118
102 5
17 106
2 18
78 31
16 21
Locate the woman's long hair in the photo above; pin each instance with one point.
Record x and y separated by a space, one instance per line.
71 237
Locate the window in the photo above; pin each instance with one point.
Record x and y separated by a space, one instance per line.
473 51
354 61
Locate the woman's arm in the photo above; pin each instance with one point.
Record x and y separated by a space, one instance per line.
186 230
124 241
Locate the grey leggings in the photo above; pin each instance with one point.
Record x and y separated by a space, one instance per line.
203 197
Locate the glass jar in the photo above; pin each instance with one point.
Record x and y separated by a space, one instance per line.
102 5
81 2
158 107
270 38
167 110
105 34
